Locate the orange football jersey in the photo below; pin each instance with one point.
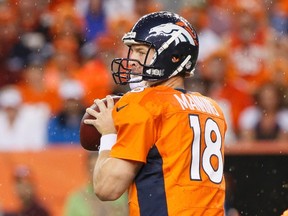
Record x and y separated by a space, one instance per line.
179 136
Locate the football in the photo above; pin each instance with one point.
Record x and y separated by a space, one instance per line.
89 135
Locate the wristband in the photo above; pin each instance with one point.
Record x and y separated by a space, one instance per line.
107 141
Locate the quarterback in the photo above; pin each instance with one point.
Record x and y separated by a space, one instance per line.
163 144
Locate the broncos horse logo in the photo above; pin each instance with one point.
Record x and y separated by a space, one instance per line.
178 32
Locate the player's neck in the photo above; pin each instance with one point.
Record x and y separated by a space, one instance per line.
174 82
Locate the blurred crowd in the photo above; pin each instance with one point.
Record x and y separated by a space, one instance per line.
55 60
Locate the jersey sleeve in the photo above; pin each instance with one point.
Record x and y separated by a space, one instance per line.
130 120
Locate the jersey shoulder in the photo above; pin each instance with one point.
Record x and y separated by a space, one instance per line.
142 95
212 101
152 99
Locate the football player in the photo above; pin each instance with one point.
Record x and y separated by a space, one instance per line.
162 143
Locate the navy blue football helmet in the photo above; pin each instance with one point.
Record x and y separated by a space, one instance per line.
176 48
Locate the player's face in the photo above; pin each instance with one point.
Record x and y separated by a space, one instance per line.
143 54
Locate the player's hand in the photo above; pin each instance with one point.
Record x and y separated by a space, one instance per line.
103 121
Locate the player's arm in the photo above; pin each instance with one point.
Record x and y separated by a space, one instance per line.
112 176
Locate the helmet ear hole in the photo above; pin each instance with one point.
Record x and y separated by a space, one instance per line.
175 59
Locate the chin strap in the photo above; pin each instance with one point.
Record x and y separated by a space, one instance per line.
181 66
141 84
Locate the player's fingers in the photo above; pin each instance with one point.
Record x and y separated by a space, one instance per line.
110 102
101 105
92 112
89 121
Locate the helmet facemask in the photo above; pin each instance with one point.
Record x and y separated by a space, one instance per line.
123 71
